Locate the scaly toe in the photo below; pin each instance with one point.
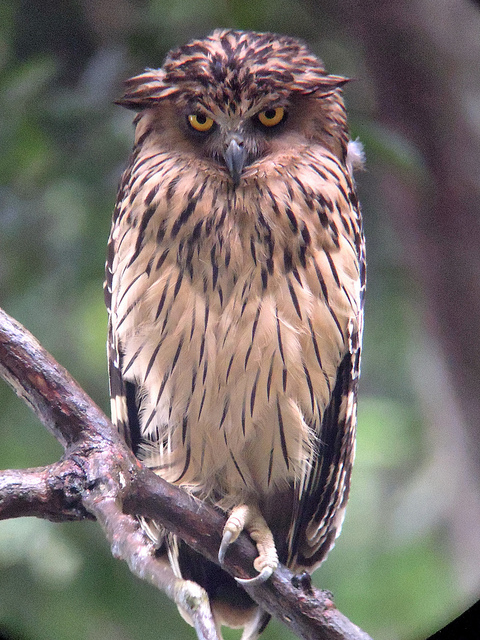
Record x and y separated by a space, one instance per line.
249 518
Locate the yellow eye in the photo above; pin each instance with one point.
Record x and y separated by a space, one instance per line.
271 117
200 122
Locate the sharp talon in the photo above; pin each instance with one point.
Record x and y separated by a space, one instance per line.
263 576
227 539
249 519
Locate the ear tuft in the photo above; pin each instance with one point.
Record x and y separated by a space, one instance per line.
145 90
329 84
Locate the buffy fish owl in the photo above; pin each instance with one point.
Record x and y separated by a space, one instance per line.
235 280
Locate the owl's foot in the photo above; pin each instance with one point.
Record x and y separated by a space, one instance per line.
248 517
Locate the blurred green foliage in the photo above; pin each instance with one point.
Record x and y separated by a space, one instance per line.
63 145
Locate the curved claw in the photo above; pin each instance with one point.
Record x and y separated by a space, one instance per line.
263 576
227 539
248 518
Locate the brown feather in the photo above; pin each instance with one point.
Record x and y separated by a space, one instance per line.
236 310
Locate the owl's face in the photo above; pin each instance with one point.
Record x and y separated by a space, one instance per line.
235 98
236 139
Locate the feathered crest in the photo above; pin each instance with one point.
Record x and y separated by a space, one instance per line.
232 66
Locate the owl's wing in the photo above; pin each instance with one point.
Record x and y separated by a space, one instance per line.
320 500
319 507
123 394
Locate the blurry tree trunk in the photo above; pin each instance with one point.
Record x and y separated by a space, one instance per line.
424 61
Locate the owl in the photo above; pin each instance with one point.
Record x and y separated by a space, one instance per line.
234 285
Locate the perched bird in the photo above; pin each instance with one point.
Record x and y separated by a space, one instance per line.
235 279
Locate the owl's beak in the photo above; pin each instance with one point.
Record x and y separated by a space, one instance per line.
234 157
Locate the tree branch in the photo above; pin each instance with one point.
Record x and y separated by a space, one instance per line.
99 476
46 492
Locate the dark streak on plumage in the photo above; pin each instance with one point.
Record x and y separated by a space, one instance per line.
221 220
281 430
323 217
213 262
243 417
255 323
270 466
183 217
229 368
184 427
237 467
201 404
244 306
336 320
177 353
333 268
178 284
147 216
206 315
224 414
315 344
161 232
279 337
294 297
302 257
247 355
253 251
292 219
202 349
297 276
253 394
334 234
172 187
162 299
187 463
151 195
162 388
127 289
132 359
196 233
310 387
152 415
321 280
165 321
287 260
152 360
269 378
275 208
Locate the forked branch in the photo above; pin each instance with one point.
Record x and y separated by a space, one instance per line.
99 477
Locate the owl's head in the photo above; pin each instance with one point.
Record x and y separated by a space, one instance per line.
236 97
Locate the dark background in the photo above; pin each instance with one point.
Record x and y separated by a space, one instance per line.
409 556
